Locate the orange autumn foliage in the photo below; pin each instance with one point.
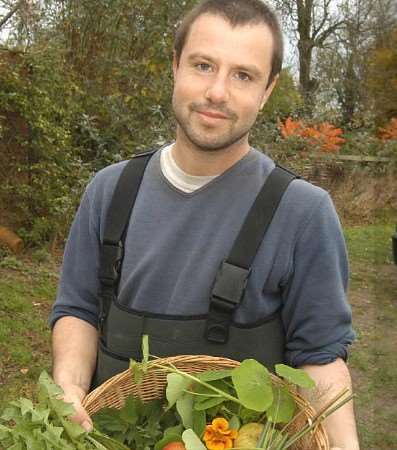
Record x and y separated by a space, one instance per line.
290 128
390 131
324 135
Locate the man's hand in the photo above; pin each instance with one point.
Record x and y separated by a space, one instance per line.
75 395
74 346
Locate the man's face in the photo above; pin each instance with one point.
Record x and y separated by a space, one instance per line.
220 82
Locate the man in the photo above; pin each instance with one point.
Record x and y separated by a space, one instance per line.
191 204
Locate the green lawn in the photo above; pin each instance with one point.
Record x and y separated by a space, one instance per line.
373 294
27 289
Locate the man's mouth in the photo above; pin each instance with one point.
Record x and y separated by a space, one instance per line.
213 115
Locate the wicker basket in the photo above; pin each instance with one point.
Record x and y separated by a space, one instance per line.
114 391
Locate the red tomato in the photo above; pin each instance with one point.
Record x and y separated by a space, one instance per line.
175 446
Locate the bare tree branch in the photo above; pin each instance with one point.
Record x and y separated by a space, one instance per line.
326 33
317 29
8 16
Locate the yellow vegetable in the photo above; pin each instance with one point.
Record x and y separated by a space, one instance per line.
248 435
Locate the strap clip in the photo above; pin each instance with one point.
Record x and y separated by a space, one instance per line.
229 288
111 256
227 294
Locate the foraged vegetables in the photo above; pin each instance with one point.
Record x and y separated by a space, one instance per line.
248 435
242 407
218 435
175 446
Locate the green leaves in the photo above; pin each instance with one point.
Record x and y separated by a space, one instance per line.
283 406
46 426
250 386
176 386
208 403
184 406
213 375
177 393
253 385
140 368
244 394
145 348
137 370
47 388
295 376
138 425
102 442
192 441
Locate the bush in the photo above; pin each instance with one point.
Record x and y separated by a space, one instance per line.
41 171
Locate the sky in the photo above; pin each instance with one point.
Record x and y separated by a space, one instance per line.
4 30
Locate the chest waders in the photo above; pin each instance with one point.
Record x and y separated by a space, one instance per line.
121 328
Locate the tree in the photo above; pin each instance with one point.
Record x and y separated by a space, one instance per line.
92 86
382 78
312 22
285 99
342 64
14 8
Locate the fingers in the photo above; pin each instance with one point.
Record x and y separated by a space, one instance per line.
81 416
74 394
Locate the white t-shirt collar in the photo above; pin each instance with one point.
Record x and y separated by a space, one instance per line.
177 177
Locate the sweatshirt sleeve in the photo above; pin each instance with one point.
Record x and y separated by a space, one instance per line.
77 293
316 314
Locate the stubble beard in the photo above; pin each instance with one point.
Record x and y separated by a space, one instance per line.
199 139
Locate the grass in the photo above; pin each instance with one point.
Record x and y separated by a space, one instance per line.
27 290
373 294
370 244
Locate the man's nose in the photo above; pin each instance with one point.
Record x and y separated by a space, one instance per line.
218 90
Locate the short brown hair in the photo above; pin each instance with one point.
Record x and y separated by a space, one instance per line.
236 12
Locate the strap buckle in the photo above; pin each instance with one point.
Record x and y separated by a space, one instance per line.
111 256
227 294
230 284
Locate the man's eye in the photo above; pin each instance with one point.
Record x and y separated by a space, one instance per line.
203 67
243 76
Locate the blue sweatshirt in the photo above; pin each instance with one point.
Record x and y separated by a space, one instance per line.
176 242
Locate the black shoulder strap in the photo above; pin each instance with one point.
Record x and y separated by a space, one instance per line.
118 214
233 273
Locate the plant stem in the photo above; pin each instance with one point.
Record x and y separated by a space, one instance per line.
281 443
264 437
203 395
302 411
197 380
333 405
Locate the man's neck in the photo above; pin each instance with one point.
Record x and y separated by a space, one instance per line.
194 161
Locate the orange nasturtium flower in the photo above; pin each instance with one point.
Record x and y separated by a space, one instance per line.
218 436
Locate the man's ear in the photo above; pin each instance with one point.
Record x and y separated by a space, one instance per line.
174 63
268 91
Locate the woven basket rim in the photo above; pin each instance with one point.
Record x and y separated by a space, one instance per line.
113 392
